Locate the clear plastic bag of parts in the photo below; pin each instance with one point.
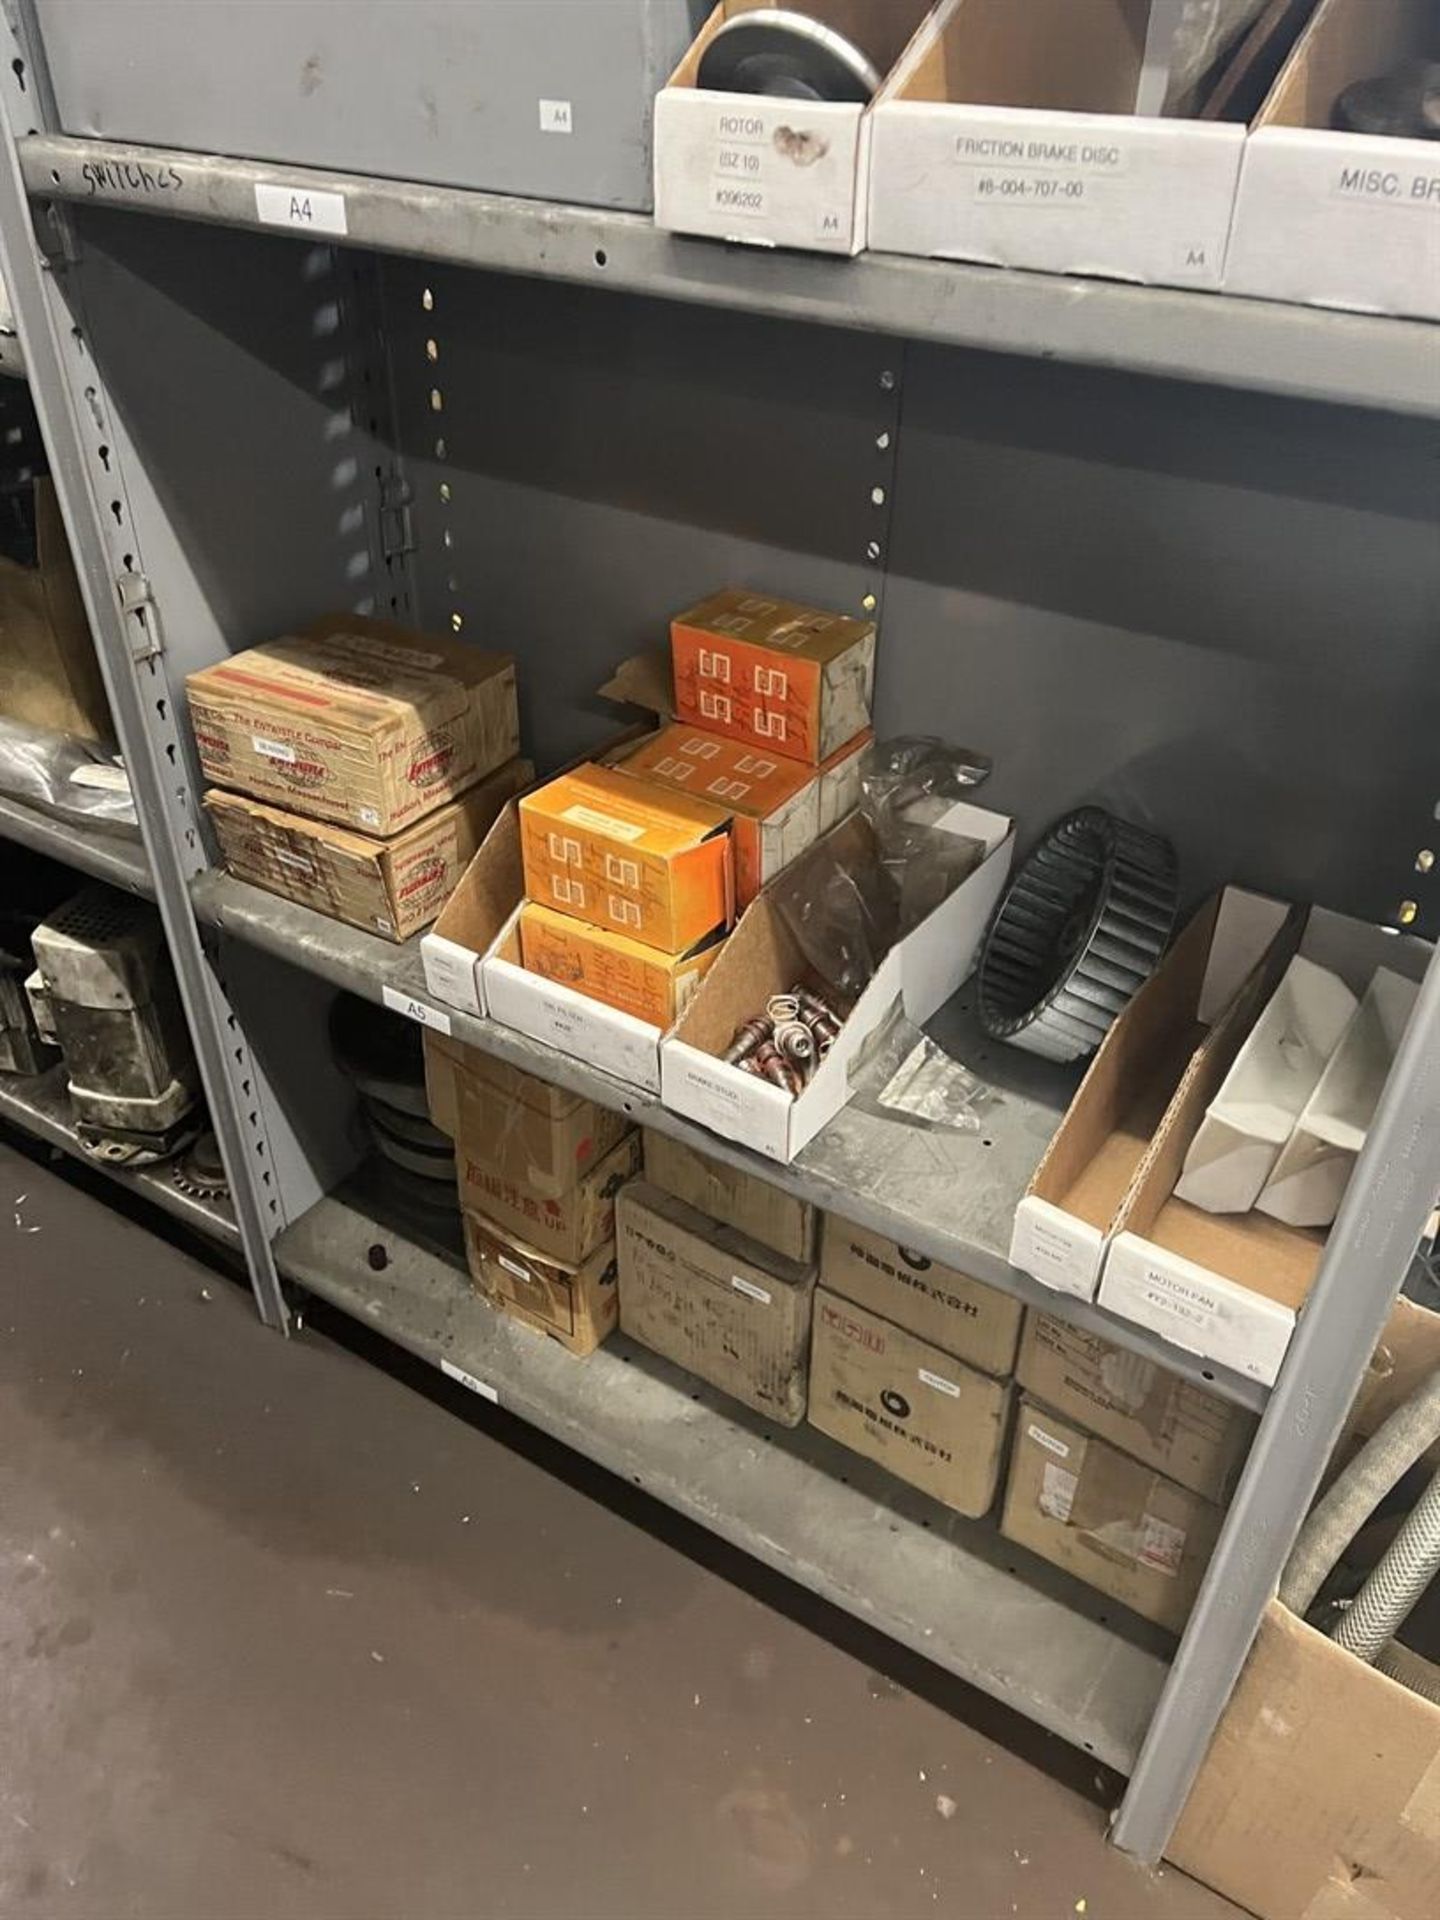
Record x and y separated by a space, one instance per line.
853 896
65 775
930 1087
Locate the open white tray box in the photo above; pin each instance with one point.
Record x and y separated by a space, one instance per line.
773 172
921 971
1337 219
1007 136
490 888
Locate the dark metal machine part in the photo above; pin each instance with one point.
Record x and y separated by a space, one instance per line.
788 56
1079 932
1402 105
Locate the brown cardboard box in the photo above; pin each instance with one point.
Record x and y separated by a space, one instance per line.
731 1311
741 1200
611 967
49 673
780 806
1320 1796
564 1227
1117 1525
535 1134
358 721
576 1306
629 856
787 678
1190 1017
392 887
1151 1414
972 1321
910 1406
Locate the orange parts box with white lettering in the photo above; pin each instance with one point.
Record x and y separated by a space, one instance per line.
611 967
787 678
359 721
780 806
632 858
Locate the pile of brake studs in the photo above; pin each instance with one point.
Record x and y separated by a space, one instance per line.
788 1041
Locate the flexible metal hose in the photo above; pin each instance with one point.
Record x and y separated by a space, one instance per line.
1384 1460
1384 1602
1411 1670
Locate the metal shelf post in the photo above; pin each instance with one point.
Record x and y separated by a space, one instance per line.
126 637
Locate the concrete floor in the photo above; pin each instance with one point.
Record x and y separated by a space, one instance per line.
282 1636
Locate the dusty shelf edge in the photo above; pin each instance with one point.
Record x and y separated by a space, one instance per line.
1216 339
754 1486
118 859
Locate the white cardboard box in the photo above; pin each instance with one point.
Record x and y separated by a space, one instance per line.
1334 219
1262 1097
1006 135
490 889
1077 1196
761 958
558 1016
773 172
1230 1287
1310 1177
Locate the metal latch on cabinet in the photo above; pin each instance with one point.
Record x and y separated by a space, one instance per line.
142 617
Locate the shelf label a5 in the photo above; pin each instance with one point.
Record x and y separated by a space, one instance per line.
417 1010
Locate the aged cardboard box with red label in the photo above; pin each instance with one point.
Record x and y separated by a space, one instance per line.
785 677
391 887
358 721
564 1227
974 1322
539 1135
1114 1523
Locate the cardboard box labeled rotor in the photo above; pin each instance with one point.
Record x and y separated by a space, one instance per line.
754 1207
974 1322
780 806
391 887
783 677
1116 1524
627 857
576 1306
564 1227
910 1406
715 1302
357 721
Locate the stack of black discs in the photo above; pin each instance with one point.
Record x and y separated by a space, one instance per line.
382 1054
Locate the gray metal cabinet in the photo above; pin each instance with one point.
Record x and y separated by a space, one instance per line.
1173 552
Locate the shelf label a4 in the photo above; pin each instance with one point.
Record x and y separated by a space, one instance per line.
301 208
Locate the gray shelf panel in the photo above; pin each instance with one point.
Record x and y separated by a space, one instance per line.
949 1588
950 1196
39 1105
116 857
1351 359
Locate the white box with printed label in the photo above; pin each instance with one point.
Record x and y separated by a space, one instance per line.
1331 218
762 957
1077 1196
1230 1287
1007 136
770 171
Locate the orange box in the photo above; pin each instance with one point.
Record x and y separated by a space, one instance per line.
629 857
787 678
624 973
780 806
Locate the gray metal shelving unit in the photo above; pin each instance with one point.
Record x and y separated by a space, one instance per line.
1172 552
111 855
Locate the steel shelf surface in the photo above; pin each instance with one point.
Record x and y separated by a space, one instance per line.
1350 359
38 1104
951 1589
114 856
950 1196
